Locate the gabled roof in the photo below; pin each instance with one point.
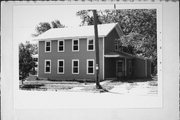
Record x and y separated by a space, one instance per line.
78 32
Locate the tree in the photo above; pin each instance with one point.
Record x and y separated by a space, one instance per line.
44 26
41 28
131 43
33 48
87 17
26 62
56 24
138 26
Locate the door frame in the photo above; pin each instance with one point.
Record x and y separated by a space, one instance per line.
123 67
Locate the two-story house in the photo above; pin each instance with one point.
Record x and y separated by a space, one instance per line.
69 54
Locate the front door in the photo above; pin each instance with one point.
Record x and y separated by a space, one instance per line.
120 68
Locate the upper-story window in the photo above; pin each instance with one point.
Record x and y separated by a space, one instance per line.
61 46
90 45
116 45
75 45
48 46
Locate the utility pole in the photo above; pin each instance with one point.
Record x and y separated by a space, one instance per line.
115 6
98 86
115 13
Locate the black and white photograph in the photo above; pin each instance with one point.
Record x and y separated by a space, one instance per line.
110 51
93 52
89 60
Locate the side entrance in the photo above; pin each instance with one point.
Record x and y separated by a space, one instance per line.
120 68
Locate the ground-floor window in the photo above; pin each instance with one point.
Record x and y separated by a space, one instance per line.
90 66
47 68
60 67
75 66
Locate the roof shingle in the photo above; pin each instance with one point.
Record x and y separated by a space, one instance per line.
76 32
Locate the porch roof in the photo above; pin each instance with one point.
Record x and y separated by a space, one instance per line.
118 54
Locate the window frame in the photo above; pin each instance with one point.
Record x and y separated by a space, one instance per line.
88 44
45 66
73 45
46 46
58 66
73 66
122 62
87 66
63 46
116 45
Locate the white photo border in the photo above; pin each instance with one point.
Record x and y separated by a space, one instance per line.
17 100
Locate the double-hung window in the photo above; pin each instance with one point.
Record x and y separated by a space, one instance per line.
60 67
47 66
116 45
90 44
61 46
75 45
47 46
90 66
75 66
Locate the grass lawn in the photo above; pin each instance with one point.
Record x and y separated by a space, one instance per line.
51 85
144 86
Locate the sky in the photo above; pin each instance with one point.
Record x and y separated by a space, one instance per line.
27 17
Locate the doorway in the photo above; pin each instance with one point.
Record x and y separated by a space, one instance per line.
120 69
